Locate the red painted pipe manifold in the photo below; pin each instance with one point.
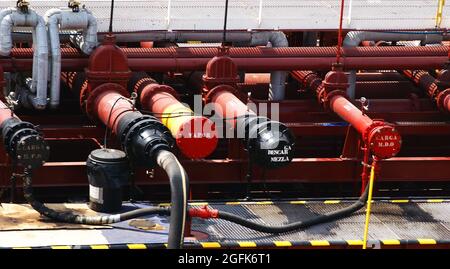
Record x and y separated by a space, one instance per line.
382 138
253 59
438 89
196 136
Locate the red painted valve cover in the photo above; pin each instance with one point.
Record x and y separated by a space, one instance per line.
385 141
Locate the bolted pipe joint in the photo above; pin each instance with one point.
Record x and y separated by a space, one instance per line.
24 143
383 139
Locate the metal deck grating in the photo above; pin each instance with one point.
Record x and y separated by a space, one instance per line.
394 223
402 221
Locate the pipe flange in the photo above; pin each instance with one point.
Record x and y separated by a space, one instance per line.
440 100
17 136
163 140
9 132
139 123
383 139
92 96
123 131
210 94
151 89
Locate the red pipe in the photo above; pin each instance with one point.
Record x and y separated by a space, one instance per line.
254 59
110 105
259 52
382 139
227 105
437 89
195 136
257 78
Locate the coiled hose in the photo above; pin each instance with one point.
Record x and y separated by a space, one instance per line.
179 184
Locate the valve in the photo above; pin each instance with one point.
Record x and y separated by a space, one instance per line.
23 5
74 5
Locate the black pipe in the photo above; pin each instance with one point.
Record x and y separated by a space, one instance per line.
179 187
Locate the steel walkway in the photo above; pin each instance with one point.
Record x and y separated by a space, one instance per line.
394 223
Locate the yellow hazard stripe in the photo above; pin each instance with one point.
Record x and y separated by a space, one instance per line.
264 203
136 246
297 202
435 200
331 201
233 203
282 243
21 248
246 244
355 242
99 247
164 204
425 241
399 201
61 247
210 244
391 242
319 243
198 204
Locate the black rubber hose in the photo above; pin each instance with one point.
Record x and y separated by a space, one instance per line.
179 187
69 217
341 213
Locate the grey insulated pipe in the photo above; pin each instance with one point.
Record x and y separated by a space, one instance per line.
277 78
354 38
14 17
63 19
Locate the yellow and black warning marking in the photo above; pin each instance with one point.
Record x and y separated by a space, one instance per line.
303 202
426 242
